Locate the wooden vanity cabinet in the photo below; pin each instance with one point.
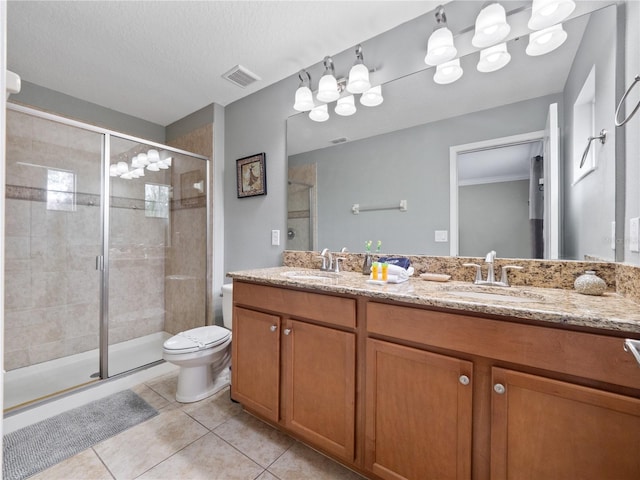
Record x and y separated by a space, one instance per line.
536 413
294 363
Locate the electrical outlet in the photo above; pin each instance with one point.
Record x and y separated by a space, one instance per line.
442 236
634 234
275 237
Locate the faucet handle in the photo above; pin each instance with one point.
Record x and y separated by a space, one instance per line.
478 271
504 278
337 261
324 261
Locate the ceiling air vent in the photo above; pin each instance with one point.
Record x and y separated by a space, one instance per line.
339 140
241 76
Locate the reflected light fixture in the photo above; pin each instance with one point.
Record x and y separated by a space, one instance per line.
153 160
440 48
346 106
491 26
545 13
448 72
319 113
493 58
545 41
372 97
358 75
328 86
304 97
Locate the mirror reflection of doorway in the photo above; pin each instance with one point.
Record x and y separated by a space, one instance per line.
501 201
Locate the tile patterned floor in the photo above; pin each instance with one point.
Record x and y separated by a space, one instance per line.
210 439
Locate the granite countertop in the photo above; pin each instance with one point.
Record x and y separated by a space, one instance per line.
610 311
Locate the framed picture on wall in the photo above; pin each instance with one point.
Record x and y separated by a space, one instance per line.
251 175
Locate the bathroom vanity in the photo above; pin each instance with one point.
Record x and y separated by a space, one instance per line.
417 381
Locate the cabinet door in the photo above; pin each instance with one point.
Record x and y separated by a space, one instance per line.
543 428
255 364
418 413
319 386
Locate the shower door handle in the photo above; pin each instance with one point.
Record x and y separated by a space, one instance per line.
99 262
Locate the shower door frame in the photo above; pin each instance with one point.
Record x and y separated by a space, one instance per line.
102 261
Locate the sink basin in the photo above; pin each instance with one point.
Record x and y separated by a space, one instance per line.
495 295
311 275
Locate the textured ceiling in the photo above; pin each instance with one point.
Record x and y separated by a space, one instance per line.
162 60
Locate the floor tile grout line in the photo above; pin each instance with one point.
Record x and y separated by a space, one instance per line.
103 462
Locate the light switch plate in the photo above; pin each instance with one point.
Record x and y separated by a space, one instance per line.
275 237
634 234
442 236
613 235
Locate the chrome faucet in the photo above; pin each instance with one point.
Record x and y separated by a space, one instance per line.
491 275
327 260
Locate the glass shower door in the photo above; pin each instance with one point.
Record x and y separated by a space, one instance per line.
53 236
157 250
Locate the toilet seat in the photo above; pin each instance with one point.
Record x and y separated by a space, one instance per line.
196 339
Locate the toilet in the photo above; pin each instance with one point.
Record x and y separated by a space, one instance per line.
203 355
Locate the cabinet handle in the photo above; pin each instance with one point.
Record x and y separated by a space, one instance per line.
499 388
273 328
464 380
287 331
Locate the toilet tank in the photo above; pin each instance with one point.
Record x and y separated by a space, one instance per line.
227 304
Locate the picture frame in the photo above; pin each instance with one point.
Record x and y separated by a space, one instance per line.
251 175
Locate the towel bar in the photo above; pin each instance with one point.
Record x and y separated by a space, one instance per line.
602 137
356 208
619 123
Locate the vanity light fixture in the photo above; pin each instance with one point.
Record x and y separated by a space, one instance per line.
493 58
346 106
319 113
153 160
448 72
328 86
545 41
440 47
372 97
358 75
304 97
491 26
545 13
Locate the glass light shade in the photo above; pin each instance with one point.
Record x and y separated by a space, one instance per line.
139 172
304 100
153 167
113 170
346 106
126 176
545 41
358 79
134 173
122 168
440 48
167 161
162 165
448 72
328 89
545 13
149 157
319 114
491 26
493 58
143 159
372 97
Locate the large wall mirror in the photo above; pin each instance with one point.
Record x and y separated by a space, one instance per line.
490 161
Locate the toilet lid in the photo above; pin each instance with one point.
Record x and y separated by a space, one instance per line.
197 339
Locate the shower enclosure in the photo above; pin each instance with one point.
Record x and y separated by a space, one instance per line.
105 257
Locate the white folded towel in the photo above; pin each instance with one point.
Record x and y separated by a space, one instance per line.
395 274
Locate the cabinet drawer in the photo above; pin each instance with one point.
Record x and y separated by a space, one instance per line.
329 309
585 355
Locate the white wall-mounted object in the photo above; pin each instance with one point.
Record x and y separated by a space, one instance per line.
357 208
14 84
634 234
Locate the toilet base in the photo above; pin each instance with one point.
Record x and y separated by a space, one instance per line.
197 383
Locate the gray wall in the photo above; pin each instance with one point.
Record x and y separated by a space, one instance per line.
589 205
71 107
410 164
495 216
